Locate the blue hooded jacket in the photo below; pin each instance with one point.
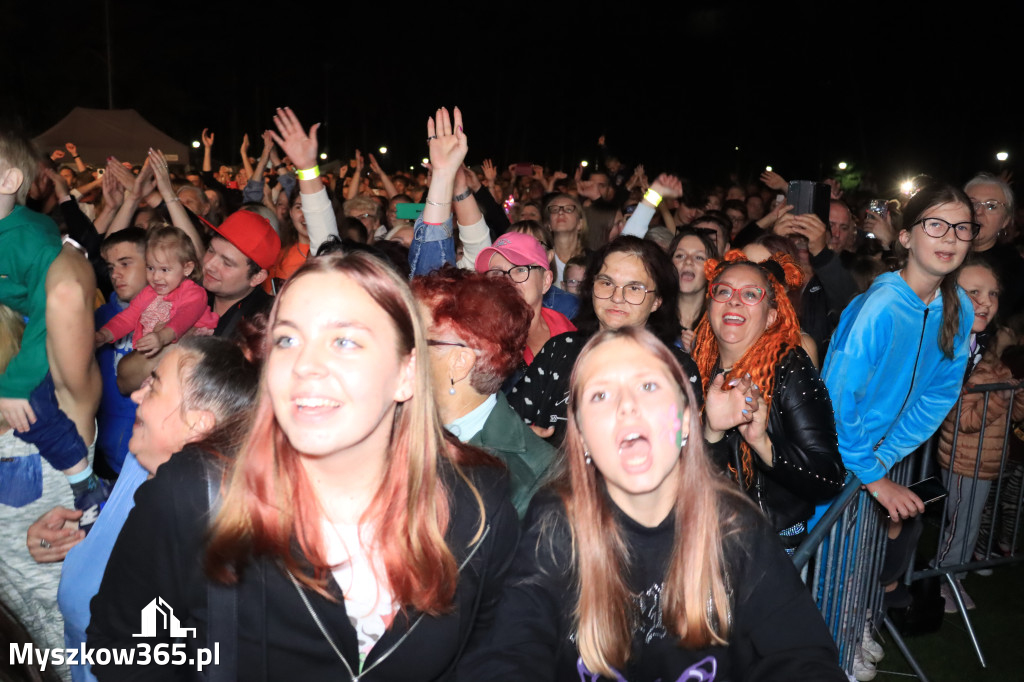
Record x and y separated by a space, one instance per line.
890 383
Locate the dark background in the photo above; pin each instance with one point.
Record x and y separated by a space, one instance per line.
894 89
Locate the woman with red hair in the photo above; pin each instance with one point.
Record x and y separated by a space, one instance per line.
476 327
781 444
354 536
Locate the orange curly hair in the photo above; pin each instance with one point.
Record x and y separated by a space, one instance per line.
764 355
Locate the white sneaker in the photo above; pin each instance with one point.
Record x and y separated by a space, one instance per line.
863 671
872 651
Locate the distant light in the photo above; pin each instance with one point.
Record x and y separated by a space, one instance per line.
195 144
842 165
768 168
1002 156
907 186
425 160
584 163
736 148
412 168
383 150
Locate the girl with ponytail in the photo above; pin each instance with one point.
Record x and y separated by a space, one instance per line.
768 418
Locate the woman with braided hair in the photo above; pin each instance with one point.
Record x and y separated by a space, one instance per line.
768 417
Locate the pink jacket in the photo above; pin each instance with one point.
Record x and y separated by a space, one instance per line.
188 309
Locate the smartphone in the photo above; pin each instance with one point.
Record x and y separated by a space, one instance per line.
524 169
807 196
879 208
929 490
408 211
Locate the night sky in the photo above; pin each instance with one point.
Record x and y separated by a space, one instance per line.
894 90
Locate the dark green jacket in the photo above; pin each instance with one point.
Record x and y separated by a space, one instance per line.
527 456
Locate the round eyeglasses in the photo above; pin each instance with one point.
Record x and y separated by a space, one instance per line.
749 295
631 293
937 227
516 273
987 206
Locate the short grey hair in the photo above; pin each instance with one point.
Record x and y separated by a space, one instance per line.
989 179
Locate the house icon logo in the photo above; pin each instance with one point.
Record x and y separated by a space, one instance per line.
158 614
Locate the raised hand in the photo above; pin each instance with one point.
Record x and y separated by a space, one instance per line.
374 166
296 143
472 180
490 172
774 181
668 186
207 138
538 173
808 225
144 183
72 149
123 176
360 162
60 187
113 191
57 155
158 164
447 142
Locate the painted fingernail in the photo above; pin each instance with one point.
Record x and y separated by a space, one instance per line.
755 385
734 382
747 375
746 412
749 399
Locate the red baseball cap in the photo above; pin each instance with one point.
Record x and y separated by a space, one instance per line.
251 234
517 248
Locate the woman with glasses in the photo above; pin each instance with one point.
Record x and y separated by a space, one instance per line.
522 260
993 210
781 442
476 328
568 225
624 286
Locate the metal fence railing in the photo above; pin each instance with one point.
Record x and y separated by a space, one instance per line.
842 556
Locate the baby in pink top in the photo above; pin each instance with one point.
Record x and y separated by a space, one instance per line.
172 304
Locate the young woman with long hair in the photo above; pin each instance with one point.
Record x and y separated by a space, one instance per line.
356 536
641 563
896 361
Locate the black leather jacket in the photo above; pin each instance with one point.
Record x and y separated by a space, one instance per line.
806 468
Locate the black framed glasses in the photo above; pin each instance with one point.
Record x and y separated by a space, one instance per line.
987 206
562 208
749 295
516 273
937 227
632 293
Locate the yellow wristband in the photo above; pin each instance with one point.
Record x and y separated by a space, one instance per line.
309 174
652 197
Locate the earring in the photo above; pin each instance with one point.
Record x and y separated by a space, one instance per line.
685 438
587 459
451 391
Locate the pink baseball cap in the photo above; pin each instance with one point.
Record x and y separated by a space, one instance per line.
517 248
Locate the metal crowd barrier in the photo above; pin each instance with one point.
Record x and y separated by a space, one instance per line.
841 560
962 509
842 556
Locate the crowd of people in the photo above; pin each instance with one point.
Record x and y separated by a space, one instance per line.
472 422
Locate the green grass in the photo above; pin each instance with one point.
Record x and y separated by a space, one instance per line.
948 655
